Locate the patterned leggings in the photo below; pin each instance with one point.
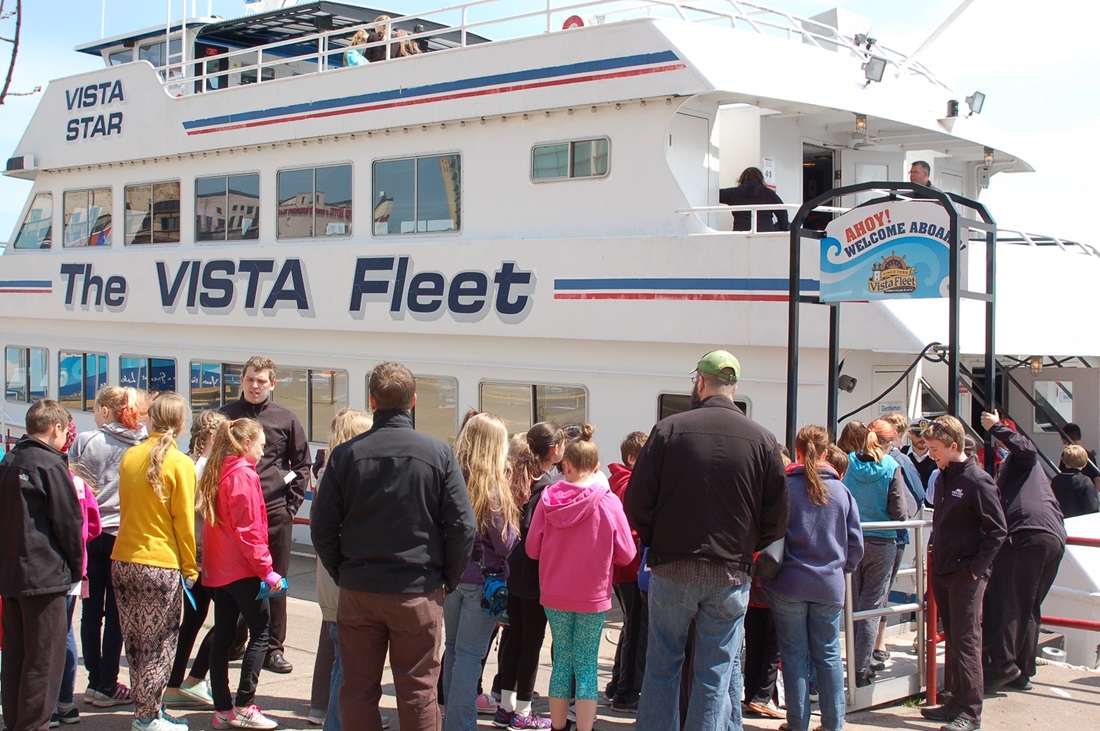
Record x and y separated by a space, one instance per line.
148 599
576 651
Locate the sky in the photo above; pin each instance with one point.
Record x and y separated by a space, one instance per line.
1037 68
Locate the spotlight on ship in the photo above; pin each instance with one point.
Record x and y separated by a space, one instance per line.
975 101
874 68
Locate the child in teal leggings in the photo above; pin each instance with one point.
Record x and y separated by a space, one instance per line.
578 531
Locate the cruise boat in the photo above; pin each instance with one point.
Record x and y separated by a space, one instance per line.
525 211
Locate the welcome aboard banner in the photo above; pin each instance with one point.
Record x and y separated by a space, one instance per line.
891 250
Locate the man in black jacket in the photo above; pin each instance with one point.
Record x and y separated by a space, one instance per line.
707 492
969 528
284 476
392 524
42 541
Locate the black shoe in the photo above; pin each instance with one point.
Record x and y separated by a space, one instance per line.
1021 683
276 663
993 681
961 724
880 655
610 691
625 703
878 666
863 679
939 713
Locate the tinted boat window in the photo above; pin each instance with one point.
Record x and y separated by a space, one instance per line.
37 225
87 217
227 208
152 213
417 195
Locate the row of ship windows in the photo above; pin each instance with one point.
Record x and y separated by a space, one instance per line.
315 395
412 195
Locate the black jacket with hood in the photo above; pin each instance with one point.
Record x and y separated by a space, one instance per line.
41 523
286 451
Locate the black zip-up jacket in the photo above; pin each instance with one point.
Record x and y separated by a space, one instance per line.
969 524
709 484
392 515
523 571
285 451
1026 497
41 523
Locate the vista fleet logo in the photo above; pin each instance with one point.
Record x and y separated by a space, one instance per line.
892 276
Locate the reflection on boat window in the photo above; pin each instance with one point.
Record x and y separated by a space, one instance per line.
152 213
37 225
417 195
1053 403
154 54
578 159
117 58
25 376
148 374
436 410
314 395
522 405
213 385
79 378
314 202
227 208
87 217
673 403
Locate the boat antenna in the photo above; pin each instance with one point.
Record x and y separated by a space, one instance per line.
906 62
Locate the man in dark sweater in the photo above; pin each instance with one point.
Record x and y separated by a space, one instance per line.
969 528
42 541
1074 491
1027 564
284 476
392 524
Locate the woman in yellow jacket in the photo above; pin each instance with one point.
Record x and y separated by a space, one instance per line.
154 556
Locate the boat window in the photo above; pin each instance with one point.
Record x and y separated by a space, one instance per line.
35 231
314 202
87 217
1053 404
674 403
213 385
314 395
148 374
117 58
578 159
227 208
417 195
153 213
25 375
436 410
79 378
522 405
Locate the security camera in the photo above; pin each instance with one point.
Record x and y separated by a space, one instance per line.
846 383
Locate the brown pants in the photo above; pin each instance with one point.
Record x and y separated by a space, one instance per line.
959 598
33 659
410 626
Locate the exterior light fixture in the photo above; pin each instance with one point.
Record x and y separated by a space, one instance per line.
952 108
861 124
874 68
989 157
975 101
1035 364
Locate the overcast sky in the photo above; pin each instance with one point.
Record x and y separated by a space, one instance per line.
1038 70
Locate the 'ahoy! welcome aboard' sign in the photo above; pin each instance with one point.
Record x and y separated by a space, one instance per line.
891 250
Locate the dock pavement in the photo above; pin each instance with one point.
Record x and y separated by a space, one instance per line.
1063 698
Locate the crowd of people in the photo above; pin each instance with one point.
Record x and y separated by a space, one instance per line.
715 542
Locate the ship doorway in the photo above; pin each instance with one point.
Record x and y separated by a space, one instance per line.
818 165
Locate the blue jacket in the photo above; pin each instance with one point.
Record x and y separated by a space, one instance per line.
879 490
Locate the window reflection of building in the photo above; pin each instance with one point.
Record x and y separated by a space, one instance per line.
87 217
315 202
227 208
153 213
418 195
35 233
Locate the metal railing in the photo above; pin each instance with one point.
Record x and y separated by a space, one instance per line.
736 15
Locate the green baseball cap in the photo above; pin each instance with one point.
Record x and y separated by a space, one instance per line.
717 361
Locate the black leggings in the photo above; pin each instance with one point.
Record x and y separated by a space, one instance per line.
193 619
519 660
231 601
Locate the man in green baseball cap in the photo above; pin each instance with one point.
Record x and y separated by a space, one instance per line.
720 363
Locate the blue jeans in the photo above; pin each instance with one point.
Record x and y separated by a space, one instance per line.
332 717
809 638
468 631
719 613
68 676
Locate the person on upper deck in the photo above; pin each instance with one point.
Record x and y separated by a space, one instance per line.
353 56
381 32
750 190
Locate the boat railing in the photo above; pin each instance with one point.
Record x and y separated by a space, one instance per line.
461 21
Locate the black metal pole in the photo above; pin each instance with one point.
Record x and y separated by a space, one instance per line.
992 397
954 297
793 295
834 369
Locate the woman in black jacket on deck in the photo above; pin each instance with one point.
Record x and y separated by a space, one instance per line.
751 191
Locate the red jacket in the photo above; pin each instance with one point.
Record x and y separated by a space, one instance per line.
620 478
235 547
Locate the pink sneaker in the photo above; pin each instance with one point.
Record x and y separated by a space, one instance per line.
486 706
532 721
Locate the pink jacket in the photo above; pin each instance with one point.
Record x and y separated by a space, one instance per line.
89 506
576 534
235 547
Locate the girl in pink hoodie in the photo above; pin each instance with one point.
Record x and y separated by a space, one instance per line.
236 560
578 531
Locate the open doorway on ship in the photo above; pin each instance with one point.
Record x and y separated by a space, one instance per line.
817 177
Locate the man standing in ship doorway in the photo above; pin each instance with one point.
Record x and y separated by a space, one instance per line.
920 173
284 475
707 492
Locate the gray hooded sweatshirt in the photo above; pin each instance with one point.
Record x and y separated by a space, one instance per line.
99 454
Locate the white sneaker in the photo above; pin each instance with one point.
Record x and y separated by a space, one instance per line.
316 717
157 724
250 717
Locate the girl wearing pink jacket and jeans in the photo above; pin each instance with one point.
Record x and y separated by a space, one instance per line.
578 531
236 560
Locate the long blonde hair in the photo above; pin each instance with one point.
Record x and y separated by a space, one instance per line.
203 428
482 452
167 417
348 423
228 440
